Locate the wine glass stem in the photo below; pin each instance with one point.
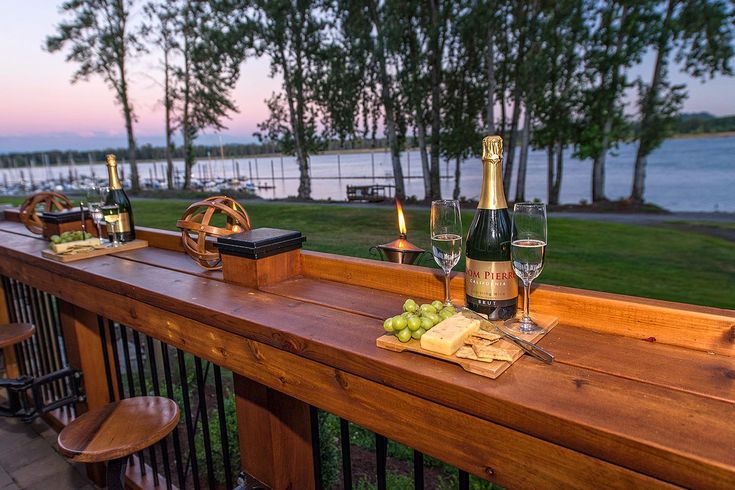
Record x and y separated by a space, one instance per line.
526 303
447 298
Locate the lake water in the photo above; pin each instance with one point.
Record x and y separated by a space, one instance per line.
683 174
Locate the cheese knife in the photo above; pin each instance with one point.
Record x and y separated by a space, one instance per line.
529 347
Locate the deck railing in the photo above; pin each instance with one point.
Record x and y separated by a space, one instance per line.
249 355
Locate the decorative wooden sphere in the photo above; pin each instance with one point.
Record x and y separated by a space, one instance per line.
196 227
47 201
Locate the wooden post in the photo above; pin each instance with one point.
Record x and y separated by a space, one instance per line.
275 436
84 352
274 428
11 362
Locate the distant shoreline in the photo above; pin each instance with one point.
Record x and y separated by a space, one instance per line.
691 136
347 151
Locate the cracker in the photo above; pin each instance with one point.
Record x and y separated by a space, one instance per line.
484 334
473 340
492 352
466 352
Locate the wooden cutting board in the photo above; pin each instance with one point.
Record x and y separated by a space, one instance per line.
491 369
125 247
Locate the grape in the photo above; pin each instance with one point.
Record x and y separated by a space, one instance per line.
418 333
399 323
444 314
414 323
433 317
406 314
427 308
404 335
438 305
410 306
56 238
426 323
388 325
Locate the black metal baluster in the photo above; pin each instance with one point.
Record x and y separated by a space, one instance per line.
33 341
49 392
202 411
17 317
157 392
315 446
170 393
106 359
223 434
464 480
116 359
418 470
131 383
23 315
189 425
59 385
381 455
344 439
55 315
19 351
144 392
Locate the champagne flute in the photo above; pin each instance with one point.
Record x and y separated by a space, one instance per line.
527 253
94 198
111 213
446 238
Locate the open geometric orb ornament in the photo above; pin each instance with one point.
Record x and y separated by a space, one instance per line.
48 201
196 226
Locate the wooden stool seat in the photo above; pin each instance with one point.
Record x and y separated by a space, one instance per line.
118 429
12 333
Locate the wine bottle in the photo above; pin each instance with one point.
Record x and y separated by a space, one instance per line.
124 225
491 286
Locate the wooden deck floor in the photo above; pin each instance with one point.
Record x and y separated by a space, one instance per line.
28 459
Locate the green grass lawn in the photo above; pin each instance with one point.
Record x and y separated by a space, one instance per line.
652 262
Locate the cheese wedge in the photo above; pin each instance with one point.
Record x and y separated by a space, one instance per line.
449 335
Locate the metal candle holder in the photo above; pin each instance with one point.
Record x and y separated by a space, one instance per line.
400 251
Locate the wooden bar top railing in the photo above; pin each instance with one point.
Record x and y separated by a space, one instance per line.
613 410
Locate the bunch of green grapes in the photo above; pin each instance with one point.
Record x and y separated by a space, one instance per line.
416 320
70 236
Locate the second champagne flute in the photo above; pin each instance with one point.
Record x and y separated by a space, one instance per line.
111 213
446 239
527 251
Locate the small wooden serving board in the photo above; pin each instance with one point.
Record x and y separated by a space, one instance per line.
491 369
97 252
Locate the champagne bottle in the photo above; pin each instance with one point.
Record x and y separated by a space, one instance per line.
124 225
491 286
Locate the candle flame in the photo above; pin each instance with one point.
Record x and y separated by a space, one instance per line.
401 218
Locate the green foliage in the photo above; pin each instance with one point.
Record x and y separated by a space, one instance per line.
216 440
329 448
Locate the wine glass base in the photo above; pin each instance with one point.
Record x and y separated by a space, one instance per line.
517 325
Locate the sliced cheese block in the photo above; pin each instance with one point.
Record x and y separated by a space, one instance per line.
449 335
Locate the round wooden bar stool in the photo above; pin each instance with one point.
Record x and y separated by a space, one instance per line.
12 333
117 430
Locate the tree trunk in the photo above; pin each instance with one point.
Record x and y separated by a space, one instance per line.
457 175
168 103
648 107
510 147
549 172
189 158
436 68
490 109
556 188
128 113
421 128
523 161
598 168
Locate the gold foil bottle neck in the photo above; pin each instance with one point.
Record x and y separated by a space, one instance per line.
114 180
492 195
492 148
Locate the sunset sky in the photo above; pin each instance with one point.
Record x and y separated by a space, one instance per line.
40 109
